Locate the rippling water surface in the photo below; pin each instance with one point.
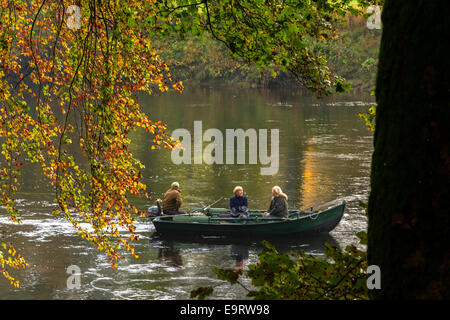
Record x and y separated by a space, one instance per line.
324 151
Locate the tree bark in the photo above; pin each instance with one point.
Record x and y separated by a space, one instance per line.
409 201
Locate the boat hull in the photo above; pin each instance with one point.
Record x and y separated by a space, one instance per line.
321 221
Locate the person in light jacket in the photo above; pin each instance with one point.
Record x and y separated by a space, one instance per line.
278 205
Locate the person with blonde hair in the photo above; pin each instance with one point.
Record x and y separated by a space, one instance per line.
239 203
278 205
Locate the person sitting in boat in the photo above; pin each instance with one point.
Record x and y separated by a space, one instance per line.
239 203
172 200
278 205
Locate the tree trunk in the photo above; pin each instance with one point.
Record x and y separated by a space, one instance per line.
409 202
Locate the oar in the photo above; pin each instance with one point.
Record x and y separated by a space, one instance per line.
207 207
169 215
185 214
317 205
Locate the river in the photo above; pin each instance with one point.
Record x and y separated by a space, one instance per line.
324 154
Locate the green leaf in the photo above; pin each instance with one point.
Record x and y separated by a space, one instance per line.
362 235
201 293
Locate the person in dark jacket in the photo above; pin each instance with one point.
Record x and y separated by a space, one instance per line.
239 203
172 200
278 205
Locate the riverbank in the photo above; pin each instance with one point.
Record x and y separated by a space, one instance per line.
206 62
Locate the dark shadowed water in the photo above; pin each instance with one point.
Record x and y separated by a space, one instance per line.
324 154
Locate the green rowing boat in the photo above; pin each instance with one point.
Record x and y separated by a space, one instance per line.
213 222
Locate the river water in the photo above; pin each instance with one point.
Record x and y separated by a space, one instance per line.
324 154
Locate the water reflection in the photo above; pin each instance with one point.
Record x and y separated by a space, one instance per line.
240 254
170 255
240 246
321 149
234 252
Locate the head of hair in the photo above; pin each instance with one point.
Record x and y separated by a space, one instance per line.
237 188
278 192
